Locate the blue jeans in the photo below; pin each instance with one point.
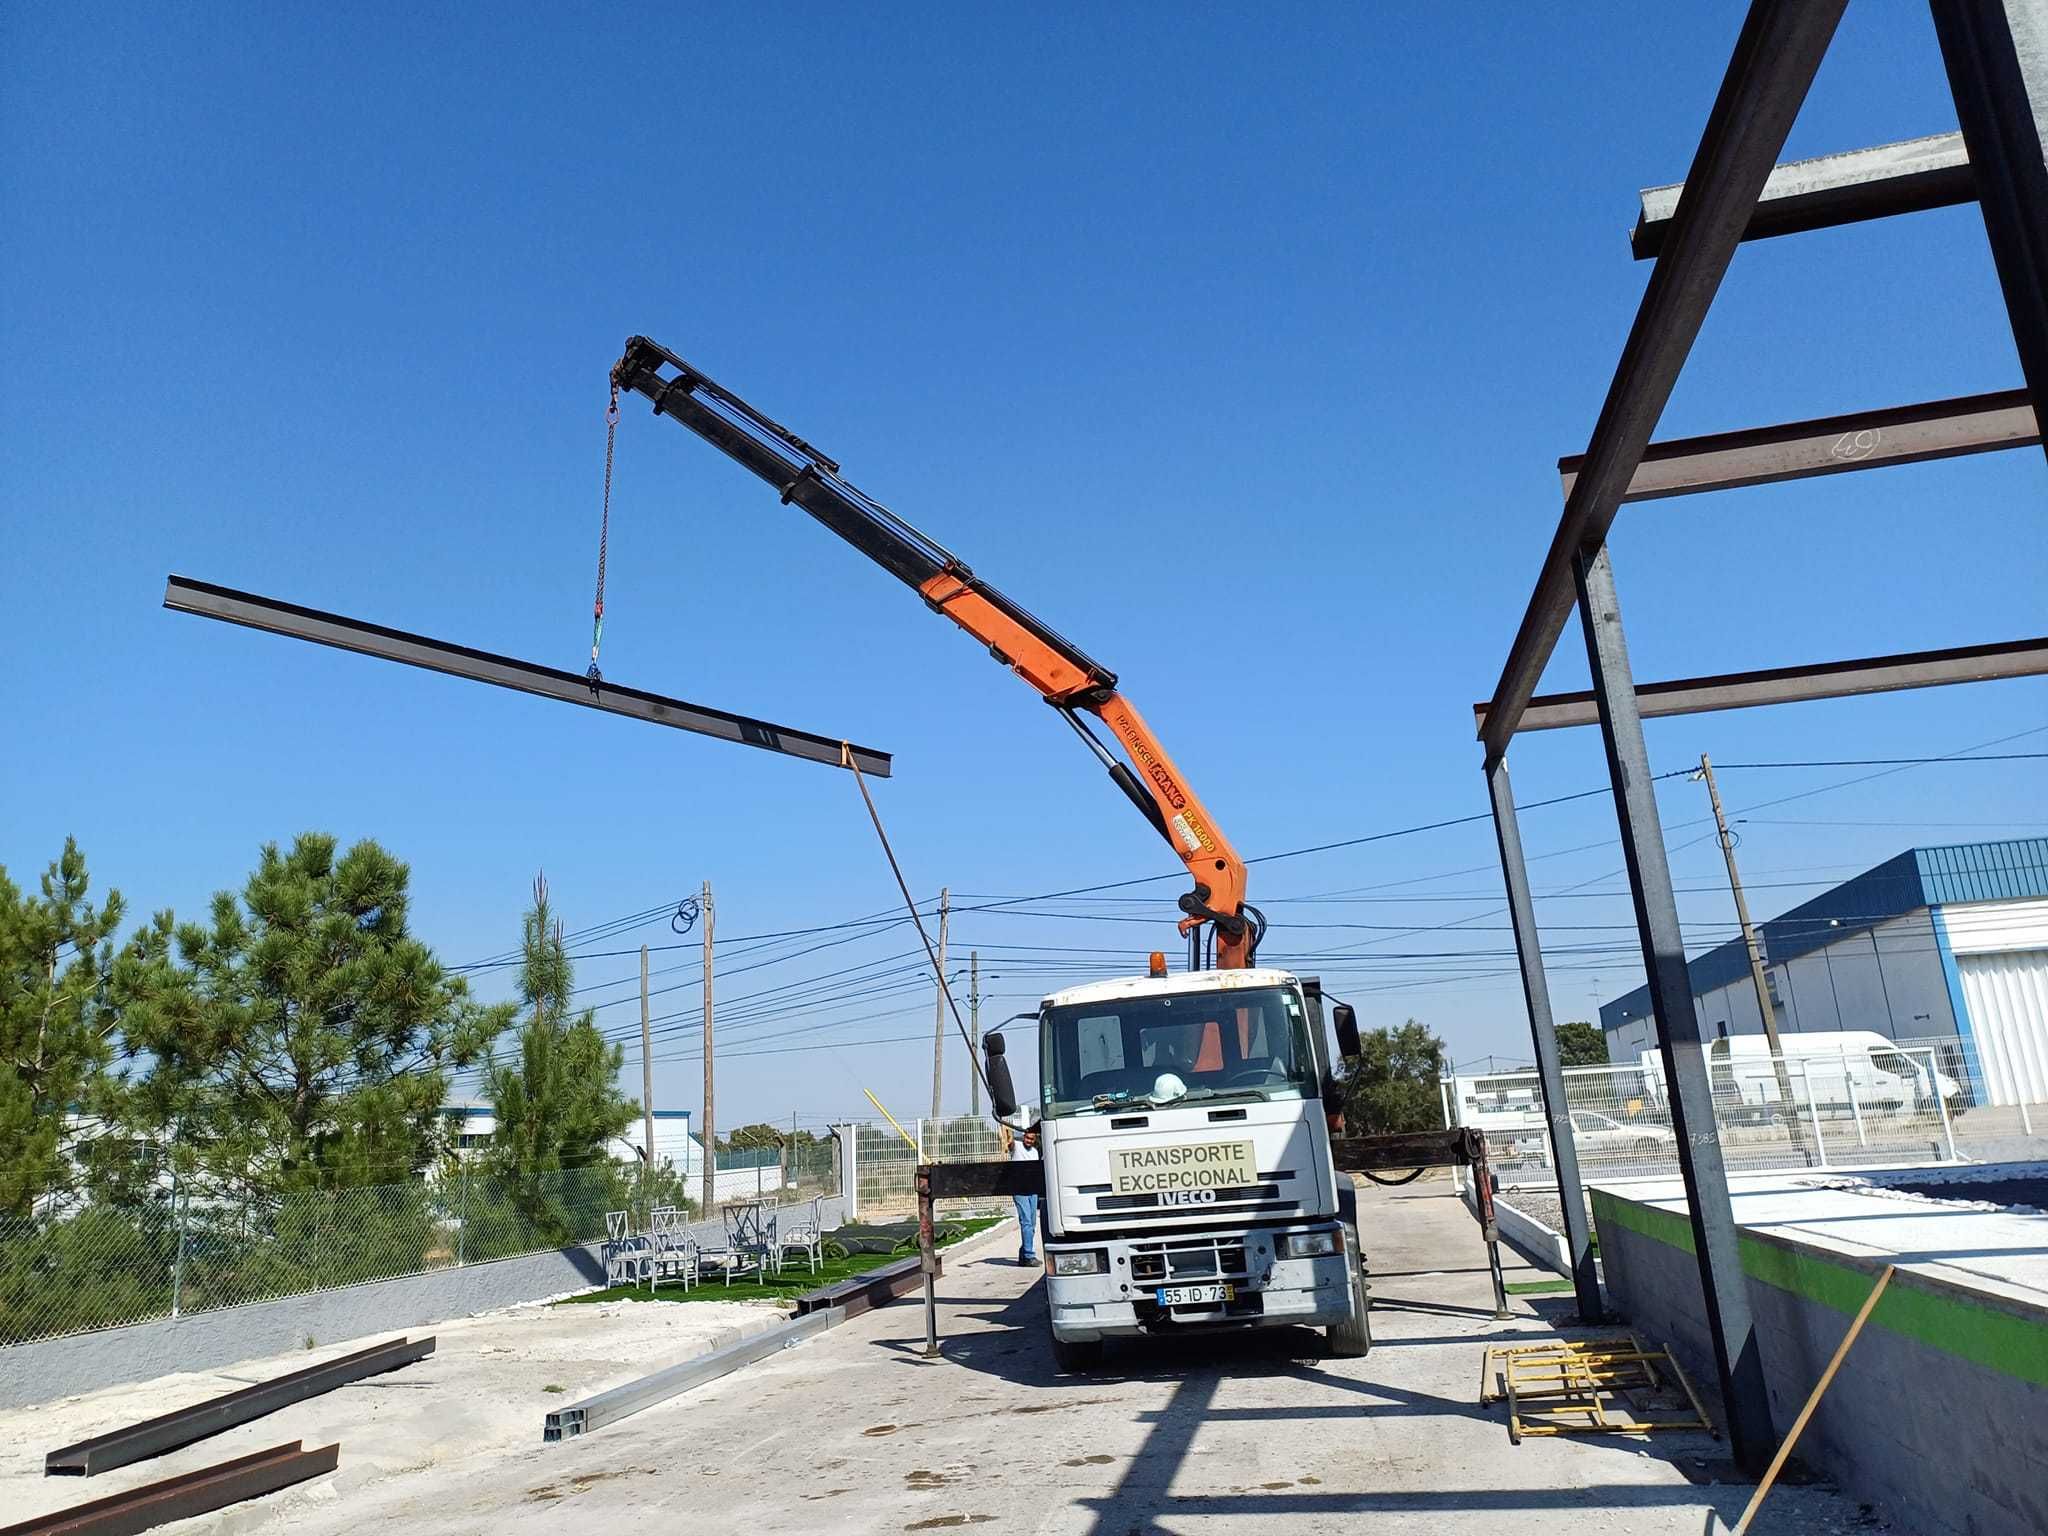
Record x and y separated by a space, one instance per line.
1027 1226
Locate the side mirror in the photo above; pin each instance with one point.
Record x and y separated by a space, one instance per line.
1002 1093
1346 1019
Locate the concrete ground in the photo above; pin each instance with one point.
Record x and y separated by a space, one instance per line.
856 1432
476 1402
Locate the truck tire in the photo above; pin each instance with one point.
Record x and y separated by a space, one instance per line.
1076 1357
1352 1338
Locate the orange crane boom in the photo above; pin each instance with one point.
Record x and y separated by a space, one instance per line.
1064 676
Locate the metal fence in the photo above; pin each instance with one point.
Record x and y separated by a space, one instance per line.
1912 1102
885 1164
100 1265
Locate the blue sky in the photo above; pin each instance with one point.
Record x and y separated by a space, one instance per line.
1242 354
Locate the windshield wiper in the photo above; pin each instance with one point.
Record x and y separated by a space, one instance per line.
1213 1095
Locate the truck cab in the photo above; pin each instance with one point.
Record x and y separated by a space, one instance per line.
1184 1126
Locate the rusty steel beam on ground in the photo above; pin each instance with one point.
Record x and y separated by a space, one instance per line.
1796 685
183 595
1827 445
181 1497
1875 183
167 1432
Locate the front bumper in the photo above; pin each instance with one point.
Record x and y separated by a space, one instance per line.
1270 1291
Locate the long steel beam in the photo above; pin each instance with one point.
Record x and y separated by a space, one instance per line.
180 1498
1796 685
1827 190
1571 1190
1996 53
870 1288
1690 1100
166 1432
1827 445
621 1402
208 601
1775 58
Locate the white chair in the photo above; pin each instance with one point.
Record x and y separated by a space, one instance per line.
805 1237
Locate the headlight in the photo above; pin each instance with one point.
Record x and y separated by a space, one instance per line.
1089 1261
1309 1245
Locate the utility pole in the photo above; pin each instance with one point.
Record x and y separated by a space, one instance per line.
939 1013
709 1132
646 1095
1756 954
974 1033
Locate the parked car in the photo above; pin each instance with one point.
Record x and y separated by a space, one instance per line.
1603 1136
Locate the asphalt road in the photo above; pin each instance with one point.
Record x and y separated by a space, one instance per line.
856 1432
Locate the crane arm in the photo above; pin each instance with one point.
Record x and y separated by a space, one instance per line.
1064 675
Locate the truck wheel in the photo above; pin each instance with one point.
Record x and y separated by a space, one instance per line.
1352 1338
1076 1357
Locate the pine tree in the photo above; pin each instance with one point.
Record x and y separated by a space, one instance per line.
301 1038
557 1103
1394 1086
54 1047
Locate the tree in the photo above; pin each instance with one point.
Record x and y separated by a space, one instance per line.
302 1037
1580 1044
1394 1086
558 1103
55 953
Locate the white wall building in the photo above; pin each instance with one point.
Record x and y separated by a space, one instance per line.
1937 945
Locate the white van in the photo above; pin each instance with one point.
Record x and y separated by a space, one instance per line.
1823 1067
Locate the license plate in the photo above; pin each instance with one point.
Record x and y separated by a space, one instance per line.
1194 1295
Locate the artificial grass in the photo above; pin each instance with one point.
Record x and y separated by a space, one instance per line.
1537 1287
791 1284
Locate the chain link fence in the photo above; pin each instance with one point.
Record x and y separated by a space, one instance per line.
1904 1102
100 1265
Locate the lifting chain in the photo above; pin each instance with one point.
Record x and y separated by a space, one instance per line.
604 529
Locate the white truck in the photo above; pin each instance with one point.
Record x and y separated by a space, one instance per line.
1184 1126
1835 1069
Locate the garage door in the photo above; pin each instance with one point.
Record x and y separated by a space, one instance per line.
2007 996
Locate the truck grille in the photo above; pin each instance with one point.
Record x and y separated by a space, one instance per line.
1195 1258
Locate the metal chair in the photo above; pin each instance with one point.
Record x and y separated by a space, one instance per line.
805 1237
627 1257
745 1248
676 1255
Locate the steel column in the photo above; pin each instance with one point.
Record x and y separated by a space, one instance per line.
1571 1193
1689 1091
1996 52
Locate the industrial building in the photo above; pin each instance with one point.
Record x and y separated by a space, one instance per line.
1944 946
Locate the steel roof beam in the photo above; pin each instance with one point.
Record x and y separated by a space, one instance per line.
1827 190
1797 685
1827 445
211 602
1775 58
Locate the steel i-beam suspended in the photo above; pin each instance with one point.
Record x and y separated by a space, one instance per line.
1571 1192
208 601
1716 1244
1996 53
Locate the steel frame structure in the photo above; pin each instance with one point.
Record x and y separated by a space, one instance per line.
1996 55
183 595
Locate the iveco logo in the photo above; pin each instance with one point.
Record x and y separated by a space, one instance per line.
1188 1197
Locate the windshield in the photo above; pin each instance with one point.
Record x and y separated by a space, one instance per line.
1248 1043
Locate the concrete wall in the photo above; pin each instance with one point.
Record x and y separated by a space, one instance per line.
1940 1413
54 1368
